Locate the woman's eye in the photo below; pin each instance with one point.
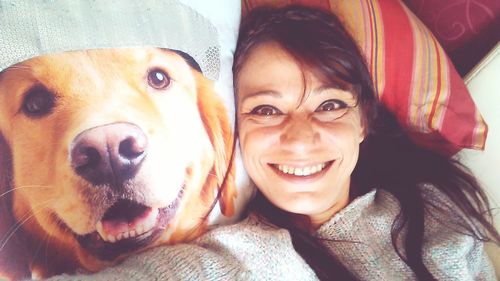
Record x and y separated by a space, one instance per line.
331 105
265 110
158 79
38 102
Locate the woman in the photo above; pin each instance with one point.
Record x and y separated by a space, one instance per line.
306 109
343 193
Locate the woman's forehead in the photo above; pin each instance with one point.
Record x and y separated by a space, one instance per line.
269 65
266 65
266 53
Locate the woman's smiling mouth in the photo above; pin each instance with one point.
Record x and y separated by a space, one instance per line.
301 171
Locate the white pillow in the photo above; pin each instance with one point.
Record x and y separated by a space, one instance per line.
483 83
225 15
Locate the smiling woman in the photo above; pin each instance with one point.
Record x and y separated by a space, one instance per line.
306 112
299 136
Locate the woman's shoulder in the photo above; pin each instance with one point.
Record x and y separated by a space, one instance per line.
442 212
264 250
251 236
250 223
382 206
442 215
448 251
451 245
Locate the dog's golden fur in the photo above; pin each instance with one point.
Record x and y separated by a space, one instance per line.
45 204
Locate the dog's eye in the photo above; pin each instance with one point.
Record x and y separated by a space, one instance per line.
158 79
38 102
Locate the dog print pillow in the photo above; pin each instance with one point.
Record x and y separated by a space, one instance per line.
116 130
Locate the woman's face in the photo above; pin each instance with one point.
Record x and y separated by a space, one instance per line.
299 138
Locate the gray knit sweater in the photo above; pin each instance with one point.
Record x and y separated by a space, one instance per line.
253 250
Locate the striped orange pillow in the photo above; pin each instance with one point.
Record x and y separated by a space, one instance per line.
412 73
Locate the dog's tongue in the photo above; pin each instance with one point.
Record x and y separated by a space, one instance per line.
121 223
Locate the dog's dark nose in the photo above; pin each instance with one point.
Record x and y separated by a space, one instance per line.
109 154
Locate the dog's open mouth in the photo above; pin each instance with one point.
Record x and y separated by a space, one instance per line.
126 226
125 220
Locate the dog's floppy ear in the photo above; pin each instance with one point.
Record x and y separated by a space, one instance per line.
216 120
13 255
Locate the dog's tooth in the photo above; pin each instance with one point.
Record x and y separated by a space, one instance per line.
126 234
151 220
140 229
100 231
36 275
132 233
98 225
119 237
145 228
147 234
111 238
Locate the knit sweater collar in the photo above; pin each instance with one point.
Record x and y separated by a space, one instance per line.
350 213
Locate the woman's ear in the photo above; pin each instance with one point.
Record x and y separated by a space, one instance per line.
364 126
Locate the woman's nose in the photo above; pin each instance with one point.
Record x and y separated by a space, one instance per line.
299 133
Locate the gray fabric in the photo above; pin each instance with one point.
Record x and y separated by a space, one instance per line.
448 254
252 250
29 28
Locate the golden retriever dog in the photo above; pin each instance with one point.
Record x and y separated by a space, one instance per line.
104 153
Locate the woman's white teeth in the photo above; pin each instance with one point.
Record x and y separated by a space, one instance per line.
141 228
301 171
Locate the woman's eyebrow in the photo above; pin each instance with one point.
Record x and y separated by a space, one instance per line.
329 89
261 93
339 92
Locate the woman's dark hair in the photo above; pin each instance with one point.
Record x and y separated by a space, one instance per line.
319 43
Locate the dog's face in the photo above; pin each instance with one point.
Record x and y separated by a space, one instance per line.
110 152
